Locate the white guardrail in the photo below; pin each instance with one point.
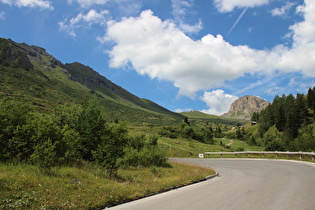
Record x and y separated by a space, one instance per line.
262 153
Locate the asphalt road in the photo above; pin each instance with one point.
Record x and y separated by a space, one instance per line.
242 184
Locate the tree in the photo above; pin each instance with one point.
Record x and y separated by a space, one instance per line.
210 129
45 156
252 140
255 117
292 123
111 148
280 118
186 121
311 98
306 139
238 133
301 109
13 115
91 126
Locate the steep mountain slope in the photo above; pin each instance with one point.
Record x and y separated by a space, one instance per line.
244 107
100 85
30 74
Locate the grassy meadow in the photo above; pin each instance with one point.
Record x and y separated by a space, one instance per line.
87 187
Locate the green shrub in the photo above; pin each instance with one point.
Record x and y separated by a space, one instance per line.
139 153
147 156
45 156
153 140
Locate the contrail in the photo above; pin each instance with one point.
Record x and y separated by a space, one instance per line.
236 22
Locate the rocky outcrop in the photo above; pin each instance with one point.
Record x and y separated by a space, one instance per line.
244 107
35 52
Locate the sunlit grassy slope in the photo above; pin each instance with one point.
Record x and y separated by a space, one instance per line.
30 74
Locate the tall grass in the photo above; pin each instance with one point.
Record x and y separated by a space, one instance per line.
87 187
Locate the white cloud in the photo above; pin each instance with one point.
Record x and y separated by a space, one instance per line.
91 17
179 11
282 11
217 101
190 28
88 3
161 50
304 32
230 5
183 110
301 57
43 4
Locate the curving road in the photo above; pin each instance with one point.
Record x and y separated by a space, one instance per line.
242 184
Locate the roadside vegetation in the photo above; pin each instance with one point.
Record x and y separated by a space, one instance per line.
85 186
72 157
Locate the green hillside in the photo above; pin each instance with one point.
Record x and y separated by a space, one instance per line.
197 115
29 73
287 124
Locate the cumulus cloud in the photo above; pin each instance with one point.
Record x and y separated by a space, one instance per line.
179 11
88 3
161 50
230 5
282 11
301 57
91 17
217 101
43 4
304 32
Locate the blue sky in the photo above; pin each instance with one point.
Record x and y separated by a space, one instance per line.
182 54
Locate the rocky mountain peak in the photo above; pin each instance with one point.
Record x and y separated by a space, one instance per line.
244 107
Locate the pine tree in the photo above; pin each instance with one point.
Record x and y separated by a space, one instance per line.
292 121
186 121
255 117
301 109
311 98
280 118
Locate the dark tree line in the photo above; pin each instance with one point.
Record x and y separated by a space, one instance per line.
293 118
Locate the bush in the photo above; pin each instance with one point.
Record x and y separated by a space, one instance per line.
72 133
45 156
238 149
139 153
111 148
274 145
13 116
169 131
147 156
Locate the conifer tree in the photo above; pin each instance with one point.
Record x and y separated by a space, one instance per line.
301 109
311 98
280 119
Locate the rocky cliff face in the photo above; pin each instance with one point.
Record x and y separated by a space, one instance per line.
244 107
